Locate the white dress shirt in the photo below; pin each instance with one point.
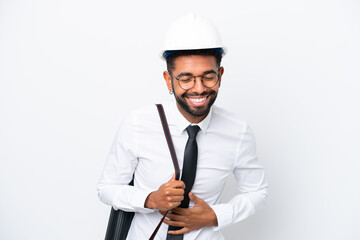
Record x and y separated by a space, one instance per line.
225 144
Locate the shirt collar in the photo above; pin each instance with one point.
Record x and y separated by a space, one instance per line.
182 123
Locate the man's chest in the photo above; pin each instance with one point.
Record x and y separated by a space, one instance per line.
216 156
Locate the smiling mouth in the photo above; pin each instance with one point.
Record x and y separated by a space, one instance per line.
198 100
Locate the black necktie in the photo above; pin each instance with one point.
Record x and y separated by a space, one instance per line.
188 172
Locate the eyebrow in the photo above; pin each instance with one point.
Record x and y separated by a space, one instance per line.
190 74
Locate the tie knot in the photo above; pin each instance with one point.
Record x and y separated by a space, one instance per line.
192 131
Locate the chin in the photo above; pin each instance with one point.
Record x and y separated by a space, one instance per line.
196 111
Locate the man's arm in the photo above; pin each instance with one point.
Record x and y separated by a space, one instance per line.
251 182
168 196
113 188
250 179
199 216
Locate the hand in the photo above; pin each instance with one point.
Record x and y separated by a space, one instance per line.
201 215
168 196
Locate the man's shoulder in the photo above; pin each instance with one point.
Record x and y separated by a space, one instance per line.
228 117
228 123
145 110
142 117
142 113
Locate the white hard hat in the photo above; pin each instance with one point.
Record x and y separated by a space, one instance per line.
192 32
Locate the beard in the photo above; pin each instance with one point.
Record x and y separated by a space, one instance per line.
196 111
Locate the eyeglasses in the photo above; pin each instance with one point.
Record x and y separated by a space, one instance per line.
187 81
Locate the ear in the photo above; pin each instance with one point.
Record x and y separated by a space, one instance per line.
167 78
221 72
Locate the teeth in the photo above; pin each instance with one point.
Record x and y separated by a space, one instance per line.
197 99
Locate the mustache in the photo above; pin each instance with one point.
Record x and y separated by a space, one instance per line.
211 92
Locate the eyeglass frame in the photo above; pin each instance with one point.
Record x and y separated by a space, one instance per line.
202 76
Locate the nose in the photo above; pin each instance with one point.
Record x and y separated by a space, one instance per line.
198 85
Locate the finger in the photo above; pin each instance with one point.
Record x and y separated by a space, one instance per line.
169 192
174 199
180 211
181 231
177 184
175 192
175 217
194 198
173 223
172 178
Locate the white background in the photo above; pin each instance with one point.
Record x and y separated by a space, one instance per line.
71 69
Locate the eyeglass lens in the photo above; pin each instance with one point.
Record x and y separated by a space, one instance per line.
209 80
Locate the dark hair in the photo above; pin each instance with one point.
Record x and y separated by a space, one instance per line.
170 60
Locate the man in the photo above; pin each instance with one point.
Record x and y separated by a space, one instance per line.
224 144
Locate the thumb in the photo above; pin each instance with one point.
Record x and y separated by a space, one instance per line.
194 198
172 178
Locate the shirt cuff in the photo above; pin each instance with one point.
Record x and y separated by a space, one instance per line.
138 201
224 215
132 200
